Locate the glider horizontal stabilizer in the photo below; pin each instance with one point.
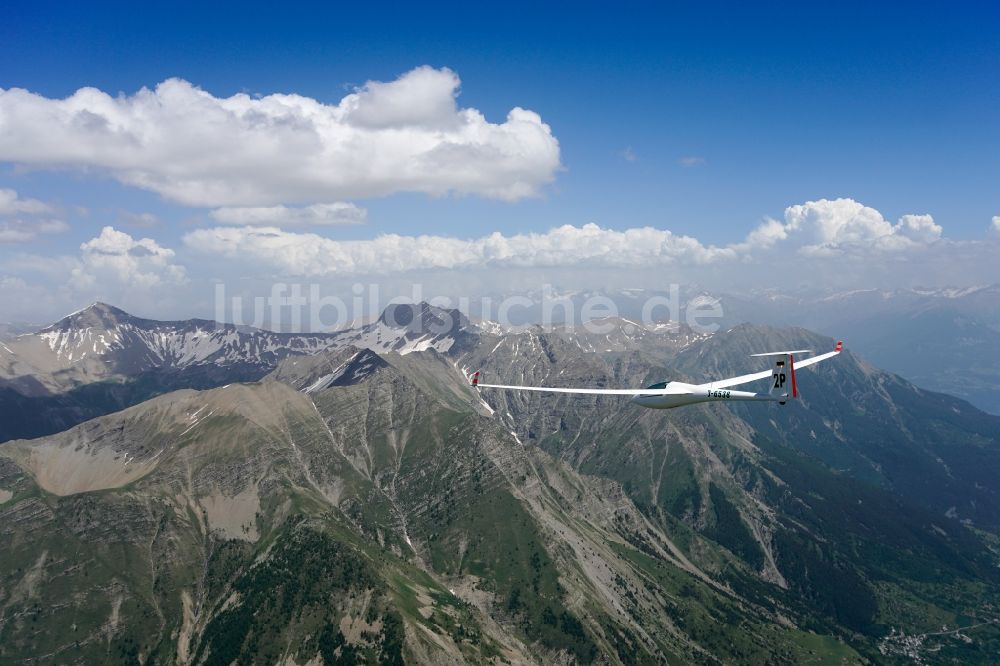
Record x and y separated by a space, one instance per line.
785 353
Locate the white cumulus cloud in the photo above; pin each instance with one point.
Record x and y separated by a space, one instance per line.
137 274
115 257
996 224
180 141
835 226
830 228
339 213
918 228
304 254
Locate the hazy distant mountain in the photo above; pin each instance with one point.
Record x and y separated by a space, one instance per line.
13 329
943 339
369 505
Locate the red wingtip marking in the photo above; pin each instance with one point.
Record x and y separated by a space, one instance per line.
840 345
791 367
475 378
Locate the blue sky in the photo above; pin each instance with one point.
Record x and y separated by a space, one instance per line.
703 120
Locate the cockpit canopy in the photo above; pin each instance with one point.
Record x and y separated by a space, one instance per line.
658 385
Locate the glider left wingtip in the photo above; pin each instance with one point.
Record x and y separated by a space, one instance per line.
475 378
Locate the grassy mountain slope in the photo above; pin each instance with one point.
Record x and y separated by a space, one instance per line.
376 520
373 507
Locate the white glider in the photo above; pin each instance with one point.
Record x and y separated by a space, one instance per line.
667 395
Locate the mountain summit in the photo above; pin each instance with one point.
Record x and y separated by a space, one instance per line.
97 315
423 317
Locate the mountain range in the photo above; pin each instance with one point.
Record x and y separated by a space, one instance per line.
101 359
197 493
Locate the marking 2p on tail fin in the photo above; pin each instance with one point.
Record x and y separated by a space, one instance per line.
783 376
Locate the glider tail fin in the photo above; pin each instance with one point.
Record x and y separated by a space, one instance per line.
783 383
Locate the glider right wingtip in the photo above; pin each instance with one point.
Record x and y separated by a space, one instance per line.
839 347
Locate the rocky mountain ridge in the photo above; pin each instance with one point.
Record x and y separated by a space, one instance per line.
848 525
101 358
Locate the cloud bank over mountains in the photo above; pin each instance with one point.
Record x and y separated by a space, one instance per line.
816 229
193 148
823 243
311 255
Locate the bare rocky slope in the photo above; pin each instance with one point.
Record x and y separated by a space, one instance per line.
370 506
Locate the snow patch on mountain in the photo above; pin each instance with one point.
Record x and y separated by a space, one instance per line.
179 344
383 338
